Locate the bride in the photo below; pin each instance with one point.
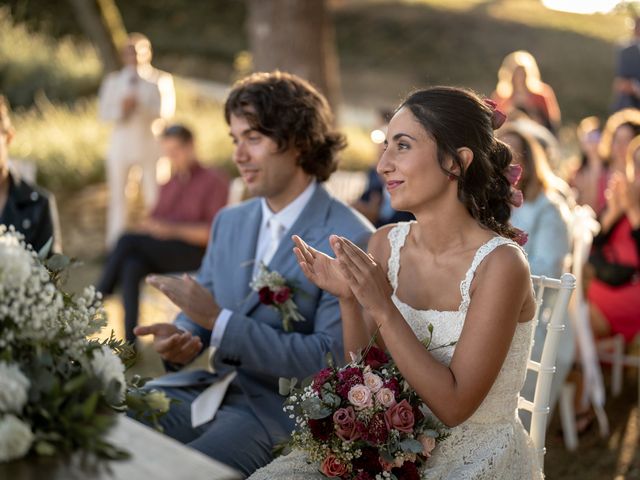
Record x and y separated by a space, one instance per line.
456 267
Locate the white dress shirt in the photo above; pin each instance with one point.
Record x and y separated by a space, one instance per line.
265 249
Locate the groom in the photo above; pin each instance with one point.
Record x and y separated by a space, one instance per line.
284 149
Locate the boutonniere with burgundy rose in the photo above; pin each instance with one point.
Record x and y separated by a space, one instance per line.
275 292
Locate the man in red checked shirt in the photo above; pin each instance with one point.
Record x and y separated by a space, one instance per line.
174 237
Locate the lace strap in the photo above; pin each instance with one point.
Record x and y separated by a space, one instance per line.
397 236
480 255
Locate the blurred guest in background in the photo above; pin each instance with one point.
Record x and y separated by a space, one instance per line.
603 154
31 210
520 88
626 84
134 99
590 179
544 215
174 237
375 202
614 292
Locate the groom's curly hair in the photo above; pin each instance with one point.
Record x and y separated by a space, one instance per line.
293 113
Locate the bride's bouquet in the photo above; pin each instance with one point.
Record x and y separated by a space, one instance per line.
363 421
58 389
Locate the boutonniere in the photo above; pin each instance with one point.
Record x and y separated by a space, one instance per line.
274 291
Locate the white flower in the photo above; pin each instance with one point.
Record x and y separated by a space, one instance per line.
107 367
15 438
14 387
15 262
373 381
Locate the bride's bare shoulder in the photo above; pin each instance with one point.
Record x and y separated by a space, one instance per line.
379 245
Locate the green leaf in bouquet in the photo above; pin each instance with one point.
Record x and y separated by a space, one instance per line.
330 360
90 404
57 263
306 382
45 448
284 386
75 384
43 253
411 445
331 399
315 409
387 456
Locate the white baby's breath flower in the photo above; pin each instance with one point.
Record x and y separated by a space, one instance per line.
107 367
15 262
15 438
14 388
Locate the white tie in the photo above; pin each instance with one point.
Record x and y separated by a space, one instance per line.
276 230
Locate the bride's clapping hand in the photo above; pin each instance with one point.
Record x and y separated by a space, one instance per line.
321 269
368 281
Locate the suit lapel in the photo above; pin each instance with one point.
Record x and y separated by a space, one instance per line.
309 226
247 246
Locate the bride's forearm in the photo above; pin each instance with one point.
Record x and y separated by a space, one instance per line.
355 332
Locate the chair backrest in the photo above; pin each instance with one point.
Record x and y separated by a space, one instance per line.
539 407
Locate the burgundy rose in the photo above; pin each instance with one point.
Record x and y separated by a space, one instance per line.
321 429
321 378
408 471
400 416
376 432
282 295
332 467
362 475
266 296
375 358
393 385
368 461
417 413
348 378
345 421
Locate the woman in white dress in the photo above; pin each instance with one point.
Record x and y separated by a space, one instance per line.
456 267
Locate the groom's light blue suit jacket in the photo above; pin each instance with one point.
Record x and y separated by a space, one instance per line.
254 342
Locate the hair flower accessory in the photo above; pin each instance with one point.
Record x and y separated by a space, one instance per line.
513 173
521 237
498 117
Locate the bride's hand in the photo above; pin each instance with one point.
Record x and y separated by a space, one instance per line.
321 269
366 278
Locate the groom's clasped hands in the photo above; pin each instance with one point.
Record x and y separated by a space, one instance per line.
353 274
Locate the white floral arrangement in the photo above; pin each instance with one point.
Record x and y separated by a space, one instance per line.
59 390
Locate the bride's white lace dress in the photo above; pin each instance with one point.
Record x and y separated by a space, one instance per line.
492 444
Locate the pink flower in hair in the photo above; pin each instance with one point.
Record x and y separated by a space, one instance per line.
521 237
516 198
498 117
513 173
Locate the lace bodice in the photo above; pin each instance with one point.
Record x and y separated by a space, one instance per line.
502 400
492 443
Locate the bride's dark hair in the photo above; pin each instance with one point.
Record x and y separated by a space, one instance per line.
455 118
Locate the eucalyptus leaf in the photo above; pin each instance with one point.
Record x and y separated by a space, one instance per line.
284 386
57 262
411 445
315 409
45 448
332 400
387 456
43 253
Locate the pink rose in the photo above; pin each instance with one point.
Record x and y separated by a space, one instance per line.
373 381
400 416
282 295
385 397
345 421
332 467
516 198
428 444
360 396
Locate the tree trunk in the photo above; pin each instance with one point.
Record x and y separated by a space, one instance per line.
296 36
101 22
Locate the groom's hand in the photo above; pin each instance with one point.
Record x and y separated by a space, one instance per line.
191 297
173 345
